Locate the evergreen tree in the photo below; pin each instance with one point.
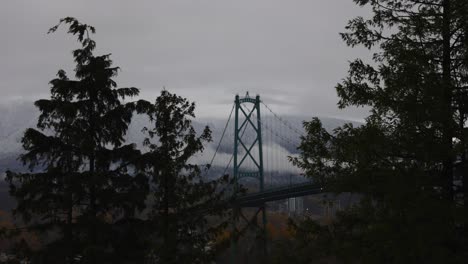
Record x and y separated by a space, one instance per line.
182 200
81 191
402 161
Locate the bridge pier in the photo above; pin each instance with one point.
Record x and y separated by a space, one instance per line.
257 248
239 171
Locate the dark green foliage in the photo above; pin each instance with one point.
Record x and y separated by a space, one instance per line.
182 201
85 193
403 161
310 243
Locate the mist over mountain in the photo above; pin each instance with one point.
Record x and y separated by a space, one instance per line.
16 116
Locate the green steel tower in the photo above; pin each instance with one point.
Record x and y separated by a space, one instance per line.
243 152
239 173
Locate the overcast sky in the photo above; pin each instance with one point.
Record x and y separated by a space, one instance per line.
288 51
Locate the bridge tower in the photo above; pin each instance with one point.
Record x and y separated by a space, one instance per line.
244 151
239 160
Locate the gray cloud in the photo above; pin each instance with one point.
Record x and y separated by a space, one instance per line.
289 52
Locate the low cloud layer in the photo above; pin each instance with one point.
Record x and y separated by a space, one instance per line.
289 52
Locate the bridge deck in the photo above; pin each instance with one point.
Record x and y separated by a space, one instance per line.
280 193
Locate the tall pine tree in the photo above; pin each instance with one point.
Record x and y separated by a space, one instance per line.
81 189
182 200
403 160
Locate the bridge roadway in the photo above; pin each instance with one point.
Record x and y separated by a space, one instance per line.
257 199
279 193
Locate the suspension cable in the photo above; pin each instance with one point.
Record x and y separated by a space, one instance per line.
287 124
278 135
221 139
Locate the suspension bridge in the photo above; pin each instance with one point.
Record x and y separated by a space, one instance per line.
255 149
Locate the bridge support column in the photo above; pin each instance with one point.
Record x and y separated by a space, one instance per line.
245 149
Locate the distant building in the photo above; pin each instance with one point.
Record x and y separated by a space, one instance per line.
295 205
